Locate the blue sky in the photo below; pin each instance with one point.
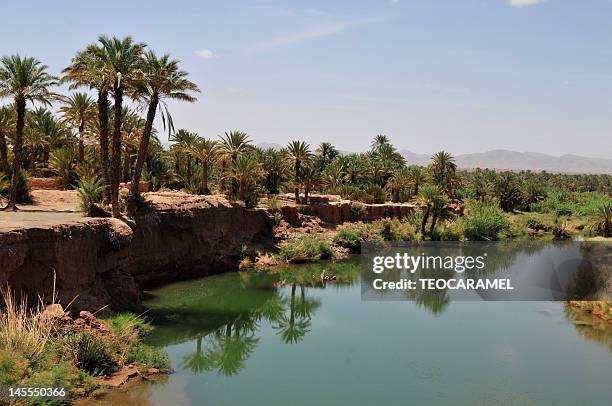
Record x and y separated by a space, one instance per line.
461 75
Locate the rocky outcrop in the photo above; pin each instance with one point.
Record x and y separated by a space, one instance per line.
99 262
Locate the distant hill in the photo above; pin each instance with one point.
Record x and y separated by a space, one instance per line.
266 145
511 160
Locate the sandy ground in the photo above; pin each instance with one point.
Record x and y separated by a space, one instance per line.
54 207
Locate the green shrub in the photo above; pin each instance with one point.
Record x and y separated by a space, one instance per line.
397 230
349 239
147 357
484 222
357 211
90 193
374 194
307 248
91 353
601 221
537 224
448 231
63 164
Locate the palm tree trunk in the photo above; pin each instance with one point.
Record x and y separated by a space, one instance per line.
81 143
241 191
31 166
20 105
222 176
189 172
424 222
127 153
434 220
45 156
116 152
143 147
103 124
297 184
4 154
204 181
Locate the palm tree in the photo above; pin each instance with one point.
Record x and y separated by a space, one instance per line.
443 169
79 111
311 177
298 155
416 176
24 79
602 221
7 123
87 69
379 141
163 80
275 168
326 153
183 140
433 201
233 144
122 59
246 172
206 151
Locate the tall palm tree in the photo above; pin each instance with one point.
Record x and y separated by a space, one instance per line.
233 144
122 59
7 123
433 202
298 155
183 140
379 141
87 69
163 80
79 111
326 153
311 178
443 168
206 151
24 79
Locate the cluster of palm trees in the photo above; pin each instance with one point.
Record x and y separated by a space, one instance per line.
104 132
112 68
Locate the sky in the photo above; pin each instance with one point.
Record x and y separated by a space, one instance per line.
460 75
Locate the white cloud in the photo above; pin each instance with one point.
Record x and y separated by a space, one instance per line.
525 3
298 37
323 31
392 2
204 53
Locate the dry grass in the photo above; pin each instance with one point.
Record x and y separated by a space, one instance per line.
23 330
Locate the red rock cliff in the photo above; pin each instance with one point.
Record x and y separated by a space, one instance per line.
106 261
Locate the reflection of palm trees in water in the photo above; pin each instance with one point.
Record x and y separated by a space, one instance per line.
227 348
294 326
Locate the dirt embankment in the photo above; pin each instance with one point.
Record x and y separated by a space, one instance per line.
106 261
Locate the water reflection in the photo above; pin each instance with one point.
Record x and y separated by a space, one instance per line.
223 315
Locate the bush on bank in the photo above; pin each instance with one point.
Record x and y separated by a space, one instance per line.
306 248
38 350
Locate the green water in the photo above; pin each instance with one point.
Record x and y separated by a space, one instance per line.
275 340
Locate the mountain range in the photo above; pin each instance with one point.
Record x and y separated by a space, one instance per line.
502 159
